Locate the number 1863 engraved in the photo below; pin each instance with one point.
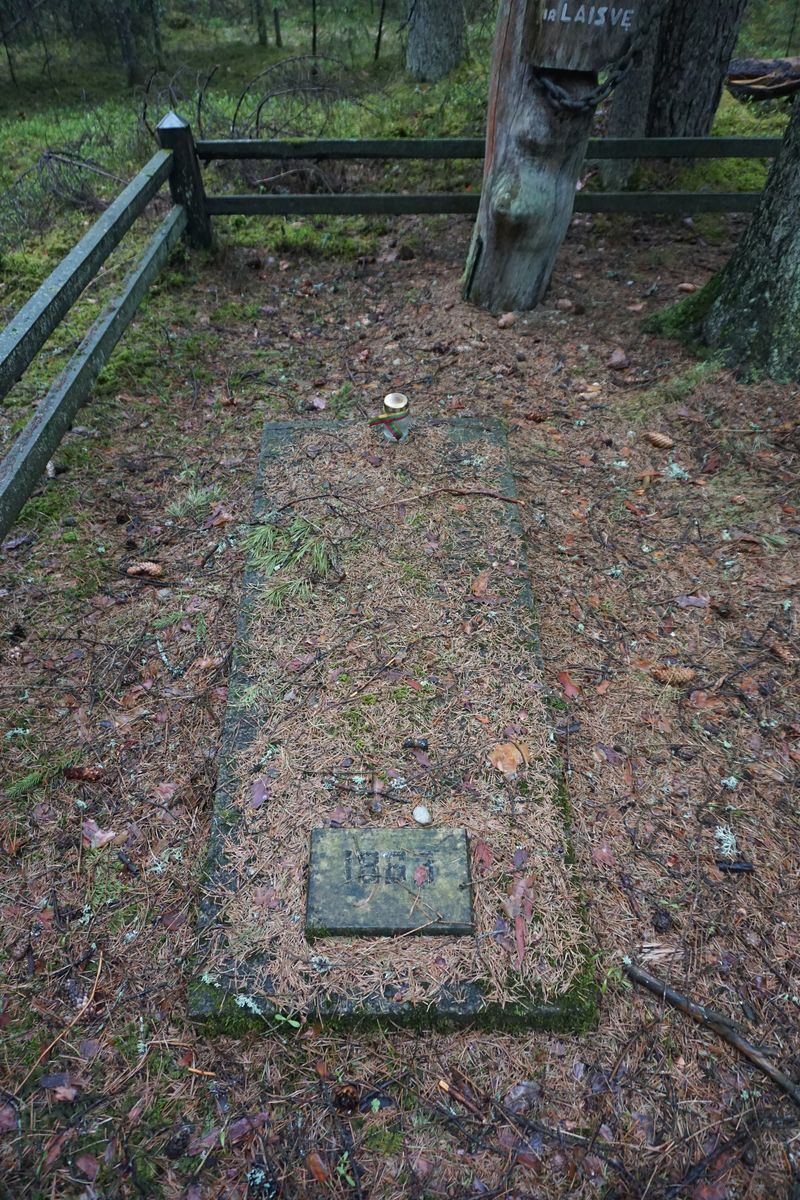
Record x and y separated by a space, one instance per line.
387 866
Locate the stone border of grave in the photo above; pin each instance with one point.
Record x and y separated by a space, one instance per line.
235 1012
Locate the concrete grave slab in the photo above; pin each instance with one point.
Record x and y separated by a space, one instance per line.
387 658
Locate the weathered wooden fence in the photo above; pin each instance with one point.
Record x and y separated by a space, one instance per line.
178 162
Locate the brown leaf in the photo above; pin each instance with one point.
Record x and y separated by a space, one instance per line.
259 792
317 1166
219 516
88 1165
94 836
265 897
8 1118
508 757
482 855
152 569
673 676
618 360
571 690
602 855
507 320
661 441
480 584
173 918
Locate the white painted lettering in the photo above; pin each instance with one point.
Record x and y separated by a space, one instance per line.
590 18
580 15
600 19
616 16
564 14
627 18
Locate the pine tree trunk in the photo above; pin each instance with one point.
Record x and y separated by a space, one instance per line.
755 318
276 20
534 154
436 32
127 43
629 102
695 44
260 21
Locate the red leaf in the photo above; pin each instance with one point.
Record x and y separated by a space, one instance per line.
173 918
483 855
421 876
571 690
519 939
316 1166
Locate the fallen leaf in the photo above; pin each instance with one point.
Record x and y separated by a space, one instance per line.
94 836
8 1118
571 690
482 855
165 791
317 402
522 1096
219 516
265 897
698 601
602 855
420 876
480 584
67 1092
88 1165
603 687
618 360
317 1166
661 440
151 569
173 918
507 320
508 757
258 794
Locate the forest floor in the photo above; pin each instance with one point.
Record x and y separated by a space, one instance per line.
662 530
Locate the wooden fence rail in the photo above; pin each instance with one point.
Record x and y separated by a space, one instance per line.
178 162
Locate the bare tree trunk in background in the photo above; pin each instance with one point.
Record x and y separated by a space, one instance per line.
276 20
380 30
754 314
314 28
260 20
630 101
123 19
436 38
695 43
154 9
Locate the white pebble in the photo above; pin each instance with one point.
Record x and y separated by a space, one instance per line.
421 815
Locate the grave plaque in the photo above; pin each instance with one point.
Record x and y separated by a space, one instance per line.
568 36
383 881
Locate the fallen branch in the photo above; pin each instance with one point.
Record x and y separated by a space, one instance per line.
450 491
717 1024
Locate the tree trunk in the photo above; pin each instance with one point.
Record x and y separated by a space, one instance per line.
436 32
260 21
276 20
630 101
695 43
154 7
754 318
534 154
127 43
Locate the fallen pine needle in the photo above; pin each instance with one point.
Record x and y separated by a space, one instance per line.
197 1071
717 1023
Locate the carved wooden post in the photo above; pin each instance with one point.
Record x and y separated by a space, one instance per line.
541 103
185 181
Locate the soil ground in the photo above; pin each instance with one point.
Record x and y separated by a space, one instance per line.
663 575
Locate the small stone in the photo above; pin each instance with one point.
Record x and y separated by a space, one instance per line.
421 815
618 360
662 921
687 287
564 304
507 320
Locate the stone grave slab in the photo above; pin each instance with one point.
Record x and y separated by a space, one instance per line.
388 881
387 660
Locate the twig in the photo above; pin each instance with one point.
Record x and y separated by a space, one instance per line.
67 1028
451 491
718 1024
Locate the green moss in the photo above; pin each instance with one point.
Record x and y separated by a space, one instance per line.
683 320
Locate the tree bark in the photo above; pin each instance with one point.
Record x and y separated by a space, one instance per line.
630 101
754 315
260 21
129 49
276 20
695 43
436 34
534 154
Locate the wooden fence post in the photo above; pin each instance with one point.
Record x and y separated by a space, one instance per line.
185 181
